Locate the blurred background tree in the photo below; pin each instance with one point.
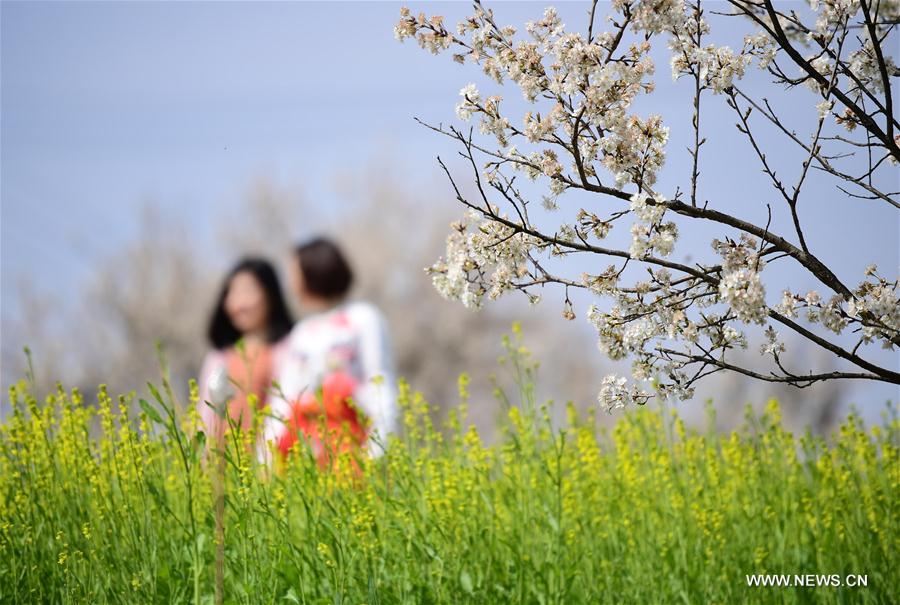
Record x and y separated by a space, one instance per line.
162 285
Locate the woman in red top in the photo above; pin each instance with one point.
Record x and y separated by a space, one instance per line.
335 373
250 310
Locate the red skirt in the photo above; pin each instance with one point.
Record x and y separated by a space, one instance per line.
329 423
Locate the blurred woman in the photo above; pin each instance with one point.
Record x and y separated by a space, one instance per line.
248 325
336 373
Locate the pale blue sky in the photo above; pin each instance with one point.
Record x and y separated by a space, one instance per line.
108 105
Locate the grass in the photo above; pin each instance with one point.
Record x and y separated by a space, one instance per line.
102 504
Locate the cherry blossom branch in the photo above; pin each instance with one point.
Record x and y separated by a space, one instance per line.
785 44
800 380
591 84
806 259
700 274
882 68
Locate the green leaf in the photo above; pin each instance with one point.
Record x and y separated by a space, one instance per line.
155 393
151 412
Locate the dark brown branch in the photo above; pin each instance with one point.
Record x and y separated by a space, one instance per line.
823 162
864 118
882 68
591 22
883 373
799 381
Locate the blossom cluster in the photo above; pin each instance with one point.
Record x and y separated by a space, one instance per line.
874 308
648 233
653 16
483 257
863 64
591 89
716 67
635 150
615 393
740 285
832 12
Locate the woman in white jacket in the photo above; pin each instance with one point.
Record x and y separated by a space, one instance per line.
335 369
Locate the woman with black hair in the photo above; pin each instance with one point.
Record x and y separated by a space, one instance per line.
336 370
248 325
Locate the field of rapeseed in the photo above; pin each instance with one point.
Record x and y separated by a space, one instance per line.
102 504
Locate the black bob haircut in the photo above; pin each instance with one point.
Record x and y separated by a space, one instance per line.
222 332
324 269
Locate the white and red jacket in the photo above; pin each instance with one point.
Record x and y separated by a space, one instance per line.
350 343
